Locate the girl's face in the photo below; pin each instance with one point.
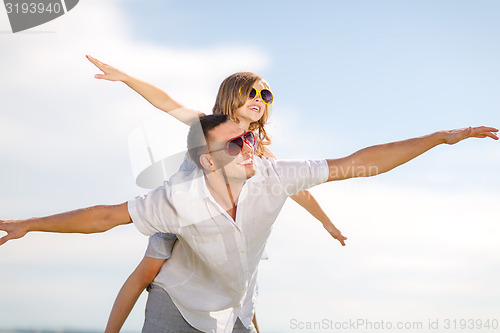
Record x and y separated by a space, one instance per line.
253 109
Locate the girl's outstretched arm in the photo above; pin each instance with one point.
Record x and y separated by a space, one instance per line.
309 203
143 275
152 94
306 200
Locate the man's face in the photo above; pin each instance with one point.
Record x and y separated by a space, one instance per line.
238 167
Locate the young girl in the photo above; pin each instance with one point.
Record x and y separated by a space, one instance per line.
245 97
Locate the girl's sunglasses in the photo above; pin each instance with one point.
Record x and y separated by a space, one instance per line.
265 94
235 145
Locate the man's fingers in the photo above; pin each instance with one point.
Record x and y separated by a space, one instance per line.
482 132
13 231
484 129
4 239
490 134
487 129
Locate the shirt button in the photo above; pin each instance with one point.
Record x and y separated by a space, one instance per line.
242 251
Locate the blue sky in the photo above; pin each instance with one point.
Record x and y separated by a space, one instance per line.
346 74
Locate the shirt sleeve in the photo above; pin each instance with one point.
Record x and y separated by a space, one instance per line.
153 212
160 245
299 175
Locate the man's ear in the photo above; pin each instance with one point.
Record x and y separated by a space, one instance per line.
207 162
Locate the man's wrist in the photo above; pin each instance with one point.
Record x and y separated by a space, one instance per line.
440 137
29 225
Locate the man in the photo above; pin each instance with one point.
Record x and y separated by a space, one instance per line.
223 213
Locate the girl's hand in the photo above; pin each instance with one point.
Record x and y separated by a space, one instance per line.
332 230
110 73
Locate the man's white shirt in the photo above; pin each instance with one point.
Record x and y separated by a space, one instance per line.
211 276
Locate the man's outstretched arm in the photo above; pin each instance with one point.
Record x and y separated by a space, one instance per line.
87 220
378 159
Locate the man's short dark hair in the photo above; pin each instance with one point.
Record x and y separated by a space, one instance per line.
198 135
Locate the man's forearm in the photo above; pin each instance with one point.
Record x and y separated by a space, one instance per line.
382 158
378 159
86 220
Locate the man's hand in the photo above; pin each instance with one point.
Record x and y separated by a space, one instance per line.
453 136
109 72
14 229
332 230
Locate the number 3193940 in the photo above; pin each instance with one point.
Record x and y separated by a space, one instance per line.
32 8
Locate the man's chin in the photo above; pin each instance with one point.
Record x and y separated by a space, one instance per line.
250 171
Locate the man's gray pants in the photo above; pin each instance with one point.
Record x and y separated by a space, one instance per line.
162 316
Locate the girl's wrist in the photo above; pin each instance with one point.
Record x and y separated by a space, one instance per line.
127 79
327 223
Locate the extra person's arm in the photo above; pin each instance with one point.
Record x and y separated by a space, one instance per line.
86 220
142 276
151 93
378 159
309 203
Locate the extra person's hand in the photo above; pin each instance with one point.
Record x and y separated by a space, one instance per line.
332 230
453 136
14 229
110 73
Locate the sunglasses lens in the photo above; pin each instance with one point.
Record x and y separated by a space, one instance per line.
252 94
250 138
267 96
234 146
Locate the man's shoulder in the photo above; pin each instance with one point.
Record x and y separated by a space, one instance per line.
180 182
269 167
266 163
296 168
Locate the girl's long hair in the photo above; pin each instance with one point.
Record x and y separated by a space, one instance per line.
229 99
